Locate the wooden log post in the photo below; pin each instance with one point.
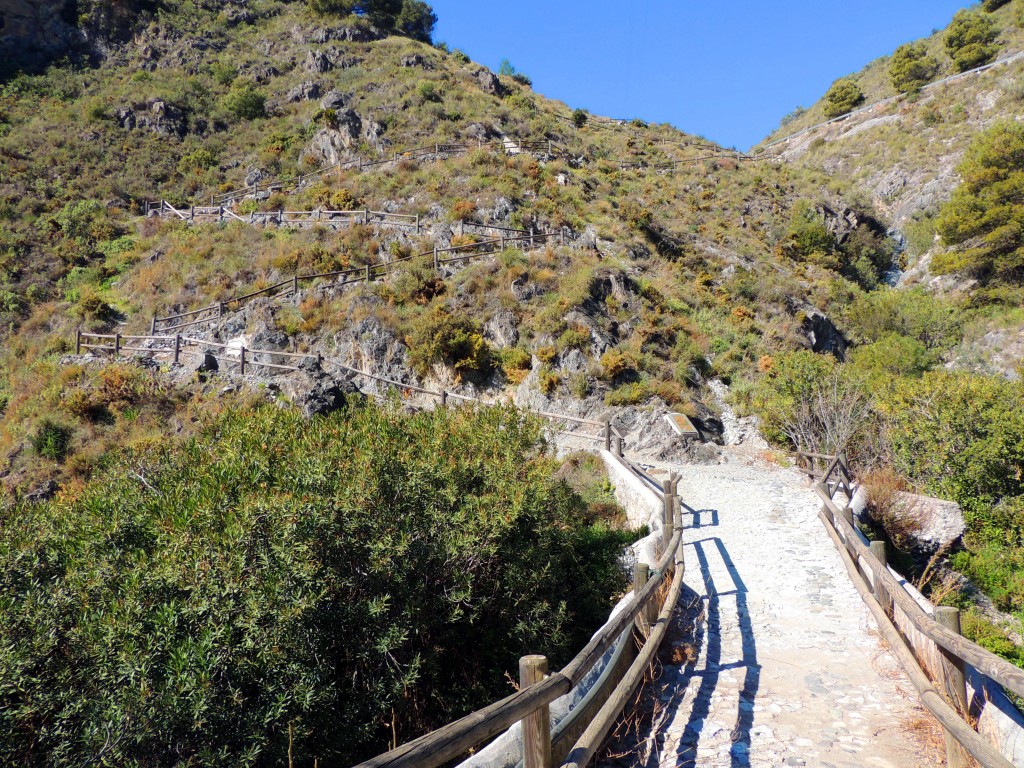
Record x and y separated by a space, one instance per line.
501 241
152 326
220 309
78 341
366 216
367 273
881 593
444 398
536 725
618 445
953 685
417 223
117 345
177 348
241 359
607 433
641 575
668 513
437 264
295 285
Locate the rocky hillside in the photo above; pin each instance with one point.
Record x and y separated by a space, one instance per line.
675 261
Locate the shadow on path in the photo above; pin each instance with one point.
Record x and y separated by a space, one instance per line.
709 634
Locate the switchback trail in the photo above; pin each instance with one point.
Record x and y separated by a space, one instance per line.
788 669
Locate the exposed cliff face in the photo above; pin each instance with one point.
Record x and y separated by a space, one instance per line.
33 29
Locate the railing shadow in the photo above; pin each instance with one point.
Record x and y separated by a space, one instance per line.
709 634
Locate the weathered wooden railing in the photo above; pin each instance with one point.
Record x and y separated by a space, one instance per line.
898 613
575 743
363 274
319 217
236 358
439 150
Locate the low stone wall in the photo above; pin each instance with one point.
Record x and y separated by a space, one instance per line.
643 506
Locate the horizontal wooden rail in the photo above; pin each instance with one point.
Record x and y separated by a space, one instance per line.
888 594
931 699
358 274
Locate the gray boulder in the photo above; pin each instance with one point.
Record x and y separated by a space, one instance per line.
156 116
335 100
318 61
489 83
416 60
502 329
303 92
329 145
822 334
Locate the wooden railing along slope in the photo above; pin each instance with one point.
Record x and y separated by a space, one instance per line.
943 690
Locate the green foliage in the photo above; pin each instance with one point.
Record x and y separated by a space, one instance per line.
842 97
449 338
980 630
867 254
51 440
506 68
288 587
912 67
633 393
985 214
793 380
933 321
992 5
960 435
969 40
579 117
890 357
807 238
246 102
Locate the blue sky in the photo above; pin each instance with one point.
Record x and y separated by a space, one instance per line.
726 69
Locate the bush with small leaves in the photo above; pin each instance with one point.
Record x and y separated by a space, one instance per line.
912 67
51 440
579 117
969 40
844 96
246 103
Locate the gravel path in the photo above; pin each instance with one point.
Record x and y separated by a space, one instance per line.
786 667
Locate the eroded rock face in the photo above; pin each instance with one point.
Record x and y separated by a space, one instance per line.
156 116
822 335
489 83
502 329
31 29
303 92
330 145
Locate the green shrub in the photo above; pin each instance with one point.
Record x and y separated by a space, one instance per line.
619 362
246 103
51 440
283 587
969 40
453 339
842 97
992 5
912 67
633 393
984 213
579 117
807 238
427 91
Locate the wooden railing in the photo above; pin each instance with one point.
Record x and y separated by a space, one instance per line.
943 691
236 359
437 150
363 274
530 704
315 218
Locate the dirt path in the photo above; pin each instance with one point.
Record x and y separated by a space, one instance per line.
788 669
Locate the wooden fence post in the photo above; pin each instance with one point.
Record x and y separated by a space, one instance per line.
367 273
501 240
242 361
607 433
117 345
295 285
953 685
78 341
537 724
881 594
444 398
366 216
668 512
641 575
177 347
436 263
152 326
417 223
220 309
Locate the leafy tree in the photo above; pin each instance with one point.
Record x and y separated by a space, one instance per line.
579 117
412 18
933 321
986 213
450 338
282 588
246 102
969 40
992 5
912 67
842 97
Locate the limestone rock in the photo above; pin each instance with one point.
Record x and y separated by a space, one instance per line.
502 329
315 392
416 60
42 492
329 145
489 83
822 334
306 91
156 116
318 61
333 100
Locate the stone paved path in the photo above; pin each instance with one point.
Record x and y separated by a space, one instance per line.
788 670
